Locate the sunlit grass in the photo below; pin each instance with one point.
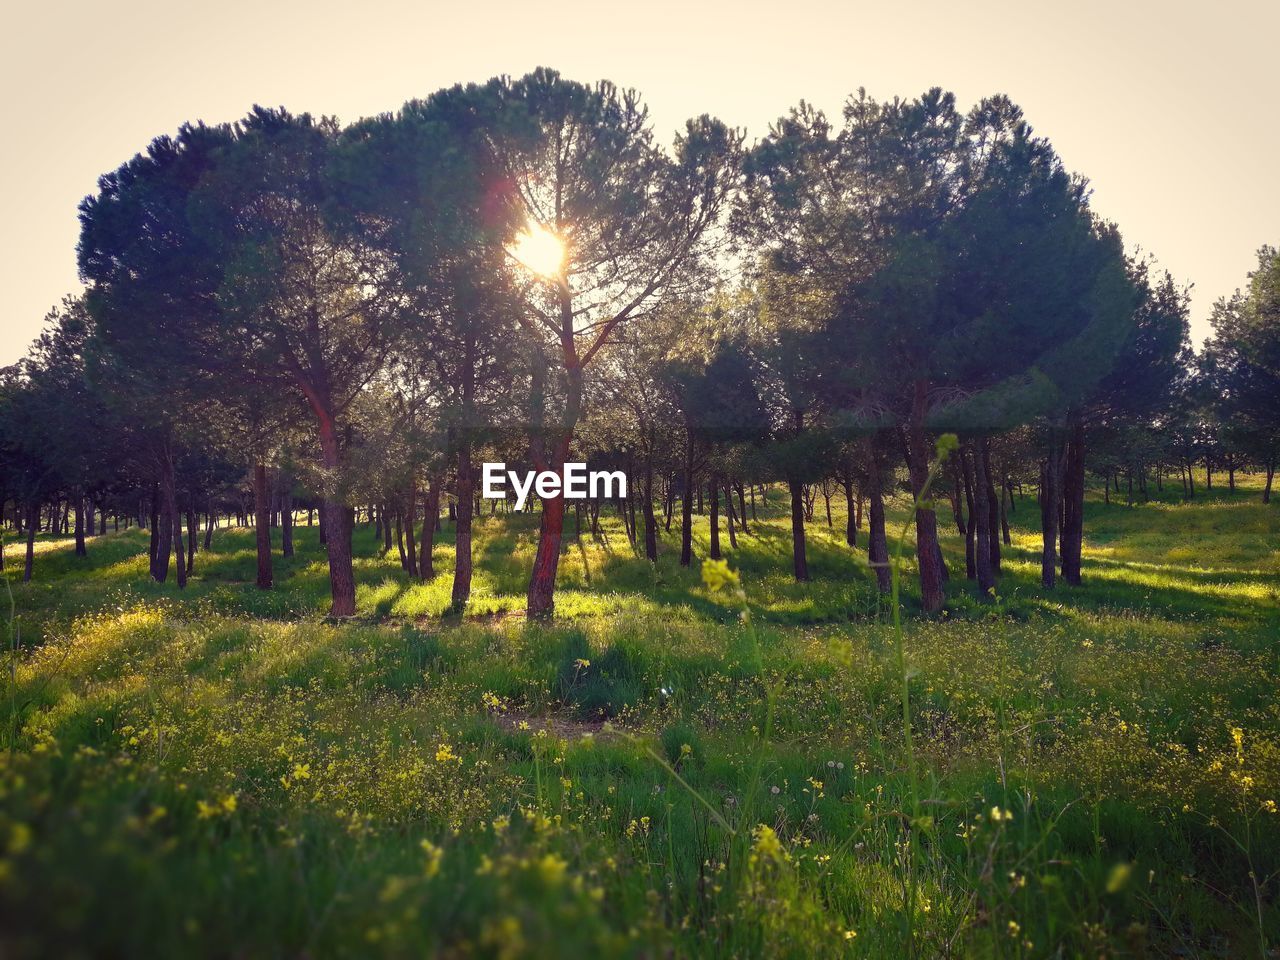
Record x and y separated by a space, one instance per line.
246 777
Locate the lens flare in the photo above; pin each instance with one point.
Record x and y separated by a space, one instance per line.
539 250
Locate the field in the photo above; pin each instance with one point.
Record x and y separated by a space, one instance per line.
674 767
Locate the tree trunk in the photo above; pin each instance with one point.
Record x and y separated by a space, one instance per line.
877 539
173 520
993 506
262 525
342 583
192 537
542 584
208 529
981 521
158 538
928 553
742 508
799 556
799 559
729 515
80 548
1073 504
713 501
650 521
686 505
1050 506
632 496
971 526
1006 497
957 497
410 519
338 518
33 521
851 517
163 527
404 558
546 562
462 553
430 519
286 522
1271 473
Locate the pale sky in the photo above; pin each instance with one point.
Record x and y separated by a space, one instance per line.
1169 108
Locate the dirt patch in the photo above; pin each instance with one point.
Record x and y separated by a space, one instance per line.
560 725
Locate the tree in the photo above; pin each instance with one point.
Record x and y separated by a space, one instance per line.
958 259
1145 372
424 189
153 283
309 307
613 226
1244 358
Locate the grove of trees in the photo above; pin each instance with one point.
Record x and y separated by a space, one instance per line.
285 314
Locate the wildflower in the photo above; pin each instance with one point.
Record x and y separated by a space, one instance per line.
552 869
767 845
1118 879
850 934
998 815
1014 929
434 856
445 754
716 576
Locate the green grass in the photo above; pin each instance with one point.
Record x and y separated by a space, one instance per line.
223 771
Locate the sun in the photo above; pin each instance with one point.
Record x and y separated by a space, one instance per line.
539 250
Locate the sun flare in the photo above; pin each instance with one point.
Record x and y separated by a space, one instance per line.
539 250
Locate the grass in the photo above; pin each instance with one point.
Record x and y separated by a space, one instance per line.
224 771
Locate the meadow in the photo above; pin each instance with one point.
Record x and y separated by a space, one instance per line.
686 762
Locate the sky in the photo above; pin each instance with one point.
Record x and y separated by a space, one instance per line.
1168 108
